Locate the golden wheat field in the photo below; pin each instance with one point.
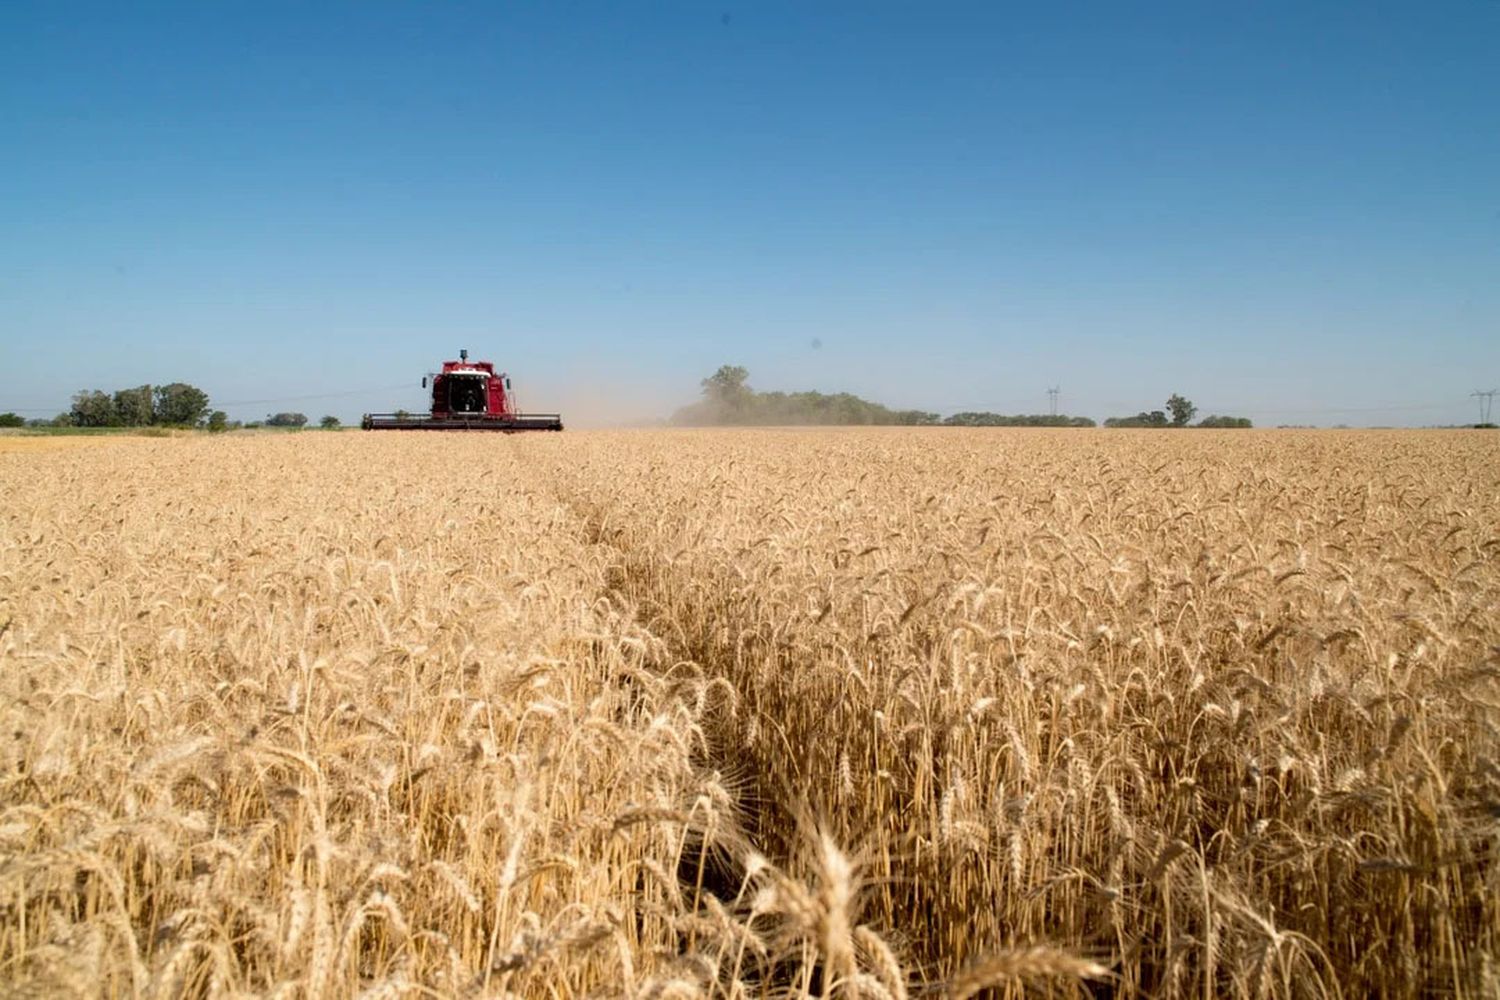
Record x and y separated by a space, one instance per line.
863 713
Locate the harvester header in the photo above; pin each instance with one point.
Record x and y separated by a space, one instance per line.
466 396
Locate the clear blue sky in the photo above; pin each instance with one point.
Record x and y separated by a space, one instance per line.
1286 210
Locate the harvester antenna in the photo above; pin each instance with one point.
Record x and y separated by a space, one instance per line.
1486 398
1052 397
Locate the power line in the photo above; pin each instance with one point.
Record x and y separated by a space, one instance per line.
1485 397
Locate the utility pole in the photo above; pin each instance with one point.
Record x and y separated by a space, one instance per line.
1486 398
1052 397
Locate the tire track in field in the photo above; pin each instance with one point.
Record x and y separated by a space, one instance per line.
767 818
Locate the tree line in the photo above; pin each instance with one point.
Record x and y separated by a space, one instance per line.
176 404
1179 413
728 400
987 419
328 423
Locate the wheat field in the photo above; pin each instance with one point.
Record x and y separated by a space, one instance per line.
864 713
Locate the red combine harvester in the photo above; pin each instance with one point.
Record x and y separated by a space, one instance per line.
466 396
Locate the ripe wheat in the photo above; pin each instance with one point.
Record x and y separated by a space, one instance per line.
730 714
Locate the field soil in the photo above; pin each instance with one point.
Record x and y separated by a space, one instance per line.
864 712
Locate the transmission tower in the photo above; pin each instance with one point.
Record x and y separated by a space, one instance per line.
1052 398
1486 398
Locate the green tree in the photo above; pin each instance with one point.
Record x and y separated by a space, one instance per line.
180 403
1181 408
728 394
93 408
218 421
329 423
135 407
286 419
727 382
12 420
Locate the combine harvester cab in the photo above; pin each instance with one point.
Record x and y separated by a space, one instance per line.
466 396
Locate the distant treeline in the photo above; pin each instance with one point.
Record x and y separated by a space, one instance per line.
1179 413
176 404
1158 419
788 408
729 401
1017 420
